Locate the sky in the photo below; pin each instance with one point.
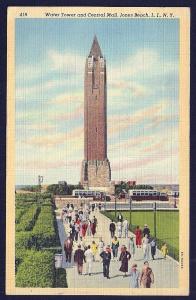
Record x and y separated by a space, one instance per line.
142 59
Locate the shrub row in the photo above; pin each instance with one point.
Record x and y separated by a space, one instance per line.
172 251
36 270
32 196
28 219
34 264
19 213
60 278
45 232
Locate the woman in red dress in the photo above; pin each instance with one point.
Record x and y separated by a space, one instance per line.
93 228
84 228
138 234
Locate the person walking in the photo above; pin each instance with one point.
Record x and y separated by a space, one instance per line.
94 249
80 230
88 232
138 235
134 277
146 247
93 207
119 229
89 260
115 246
106 256
79 259
120 218
84 228
94 220
101 245
131 246
72 230
164 250
93 228
112 229
125 228
69 215
77 229
146 230
68 247
147 276
153 245
124 258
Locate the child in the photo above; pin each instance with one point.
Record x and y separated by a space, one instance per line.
164 250
153 247
94 249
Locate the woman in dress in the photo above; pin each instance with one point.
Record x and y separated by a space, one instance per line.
88 232
146 247
84 228
134 277
138 234
119 229
93 228
147 276
124 258
131 246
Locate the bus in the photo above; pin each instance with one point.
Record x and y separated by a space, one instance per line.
96 195
140 195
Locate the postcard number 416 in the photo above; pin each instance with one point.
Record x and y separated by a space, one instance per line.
23 14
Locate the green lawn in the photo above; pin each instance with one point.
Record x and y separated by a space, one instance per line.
167 224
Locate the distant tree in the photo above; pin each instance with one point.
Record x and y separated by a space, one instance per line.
31 188
52 188
124 186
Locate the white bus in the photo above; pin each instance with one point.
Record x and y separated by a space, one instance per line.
139 195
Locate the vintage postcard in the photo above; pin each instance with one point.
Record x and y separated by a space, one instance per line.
97 151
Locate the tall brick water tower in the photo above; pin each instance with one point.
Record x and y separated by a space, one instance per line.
96 172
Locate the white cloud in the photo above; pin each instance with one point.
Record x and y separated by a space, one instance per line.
68 62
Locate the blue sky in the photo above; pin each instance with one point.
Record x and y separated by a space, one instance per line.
142 59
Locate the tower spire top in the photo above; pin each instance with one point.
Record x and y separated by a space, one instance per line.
95 49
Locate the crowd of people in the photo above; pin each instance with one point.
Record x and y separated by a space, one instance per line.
82 223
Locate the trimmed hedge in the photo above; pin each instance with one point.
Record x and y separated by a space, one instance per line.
24 239
19 213
172 251
20 254
28 219
61 278
44 234
36 270
44 231
34 264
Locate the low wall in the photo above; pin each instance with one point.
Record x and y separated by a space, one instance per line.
60 202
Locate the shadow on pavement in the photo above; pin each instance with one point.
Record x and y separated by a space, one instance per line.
116 276
97 273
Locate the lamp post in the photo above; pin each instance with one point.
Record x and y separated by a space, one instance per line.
130 204
40 181
155 219
105 201
115 206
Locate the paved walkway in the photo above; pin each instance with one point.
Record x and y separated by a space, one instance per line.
165 271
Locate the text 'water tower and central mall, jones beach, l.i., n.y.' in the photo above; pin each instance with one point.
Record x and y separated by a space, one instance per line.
96 171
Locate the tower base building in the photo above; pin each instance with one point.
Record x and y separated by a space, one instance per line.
96 175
